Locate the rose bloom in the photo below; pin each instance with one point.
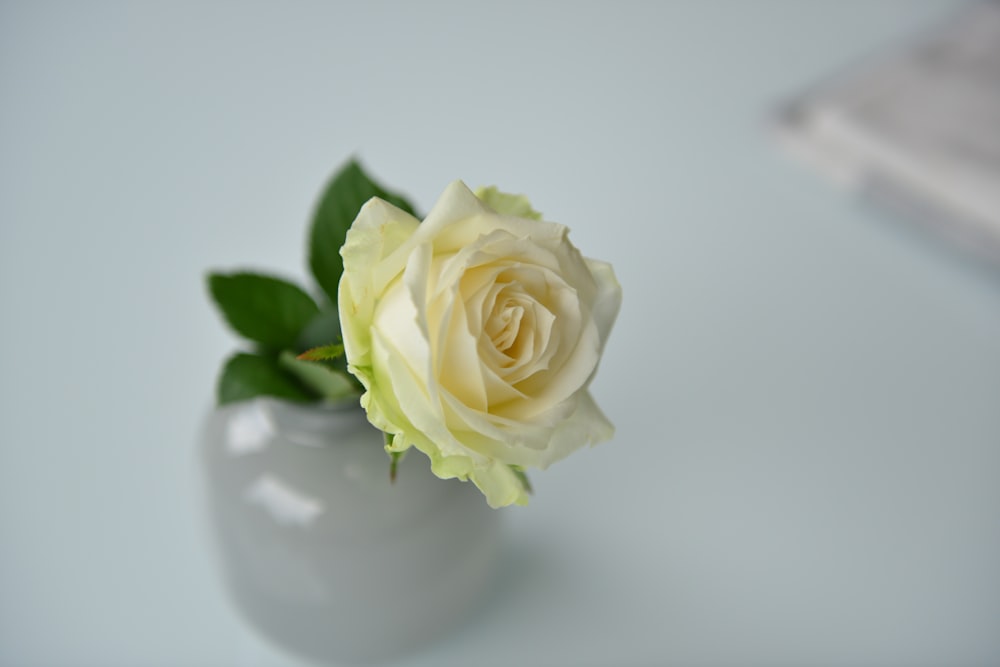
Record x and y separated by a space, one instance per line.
476 334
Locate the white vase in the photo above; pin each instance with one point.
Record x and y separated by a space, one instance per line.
320 551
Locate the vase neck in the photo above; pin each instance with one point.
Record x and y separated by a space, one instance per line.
313 424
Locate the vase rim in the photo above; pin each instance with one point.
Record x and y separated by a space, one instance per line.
316 407
311 424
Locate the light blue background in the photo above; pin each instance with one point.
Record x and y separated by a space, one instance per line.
807 392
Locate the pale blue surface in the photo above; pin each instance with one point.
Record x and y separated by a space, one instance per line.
807 466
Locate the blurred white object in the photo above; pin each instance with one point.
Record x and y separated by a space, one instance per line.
917 127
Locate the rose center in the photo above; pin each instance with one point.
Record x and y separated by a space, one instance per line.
512 320
504 326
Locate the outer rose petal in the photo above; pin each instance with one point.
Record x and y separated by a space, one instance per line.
376 233
500 485
609 297
459 218
586 426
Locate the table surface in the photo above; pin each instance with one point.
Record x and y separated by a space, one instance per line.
806 390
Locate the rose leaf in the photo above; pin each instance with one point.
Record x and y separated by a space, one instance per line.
246 376
261 308
339 205
522 477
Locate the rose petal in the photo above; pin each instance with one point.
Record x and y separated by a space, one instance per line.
587 425
500 485
608 299
378 231
419 400
547 388
459 368
445 224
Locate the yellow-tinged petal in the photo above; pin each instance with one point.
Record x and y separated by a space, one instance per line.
378 231
608 300
500 485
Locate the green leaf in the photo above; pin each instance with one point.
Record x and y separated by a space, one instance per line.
323 353
329 383
323 328
246 376
264 309
343 197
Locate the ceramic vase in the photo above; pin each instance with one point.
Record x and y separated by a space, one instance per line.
321 552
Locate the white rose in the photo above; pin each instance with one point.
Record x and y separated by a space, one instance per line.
476 335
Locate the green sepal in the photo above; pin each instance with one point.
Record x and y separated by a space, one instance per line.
506 203
327 352
394 457
264 309
339 205
522 477
245 376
